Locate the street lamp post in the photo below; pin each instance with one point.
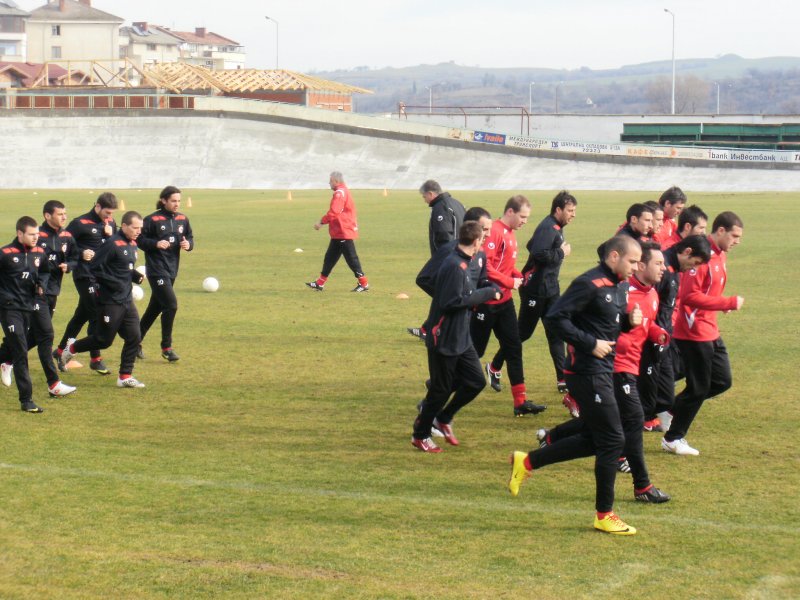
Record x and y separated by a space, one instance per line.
430 96
717 84
277 46
558 85
672 14
530 96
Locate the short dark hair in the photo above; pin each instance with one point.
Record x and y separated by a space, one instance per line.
129 216
165 195
655 206
476 213
727 220
647 250
469 232
430 186
516 203
561 200
636 210
24 223
51 205
673 195
619 243
699 245
107 200
691 215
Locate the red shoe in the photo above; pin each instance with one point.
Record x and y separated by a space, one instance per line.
653 425
447 431
425 445
572 405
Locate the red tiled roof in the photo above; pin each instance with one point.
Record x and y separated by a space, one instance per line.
192 38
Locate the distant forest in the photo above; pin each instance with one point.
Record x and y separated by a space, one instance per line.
743 86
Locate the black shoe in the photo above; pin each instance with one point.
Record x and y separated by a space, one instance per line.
316 287
561 386
427 384
543 437
652 495
416 332
99 367
528 408
360 288
622 465
494 378
140 352
62 366
170 355
30 407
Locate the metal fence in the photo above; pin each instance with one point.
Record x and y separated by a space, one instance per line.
106 101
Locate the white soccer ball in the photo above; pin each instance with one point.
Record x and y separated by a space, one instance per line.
142 269
210 284
137 292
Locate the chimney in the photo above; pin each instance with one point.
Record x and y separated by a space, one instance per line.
200 31
141 25
86 2
62 5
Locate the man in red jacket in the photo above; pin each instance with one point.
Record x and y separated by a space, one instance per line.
705 358
672 201
343 228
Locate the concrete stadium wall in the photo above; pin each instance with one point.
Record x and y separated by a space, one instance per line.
244 144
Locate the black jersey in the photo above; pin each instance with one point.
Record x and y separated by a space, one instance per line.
544 262
113 269
447 216
19 275
89 233
594 307
164 225
668 289
59 247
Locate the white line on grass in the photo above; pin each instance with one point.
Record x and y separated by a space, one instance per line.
493 504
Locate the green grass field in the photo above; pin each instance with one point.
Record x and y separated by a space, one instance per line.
273 460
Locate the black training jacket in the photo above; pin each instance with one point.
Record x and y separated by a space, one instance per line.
60 247
88 231
164 225
447 216
544 262
19 275
113 269
668 289
594 307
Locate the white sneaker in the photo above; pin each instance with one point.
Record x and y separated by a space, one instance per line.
130 382
61 389
6 370
666 420
680 447
66 355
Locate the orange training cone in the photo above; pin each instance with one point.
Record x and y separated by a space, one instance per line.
74 364
289 195
189 202
385 192
122 204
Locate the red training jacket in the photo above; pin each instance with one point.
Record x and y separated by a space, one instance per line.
501 259
701 297
667 230
628 351
341 216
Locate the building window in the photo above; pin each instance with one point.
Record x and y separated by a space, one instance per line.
55 52
152 47
55 30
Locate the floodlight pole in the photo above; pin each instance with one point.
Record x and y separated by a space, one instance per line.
430 97
277 45
716 83
672 14
530 96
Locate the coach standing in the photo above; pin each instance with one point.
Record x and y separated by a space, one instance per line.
342 225
164 234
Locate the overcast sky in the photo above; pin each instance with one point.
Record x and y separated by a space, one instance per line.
325 35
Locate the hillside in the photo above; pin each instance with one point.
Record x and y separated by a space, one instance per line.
746 86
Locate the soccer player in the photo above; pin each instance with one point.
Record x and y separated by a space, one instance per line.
90 232
164 234
452 359
589 316
704 355
20 264
447 215
657 373
113 269
658 219
59 245
499 315
342 225
547 249
639 222
692 221
672 201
